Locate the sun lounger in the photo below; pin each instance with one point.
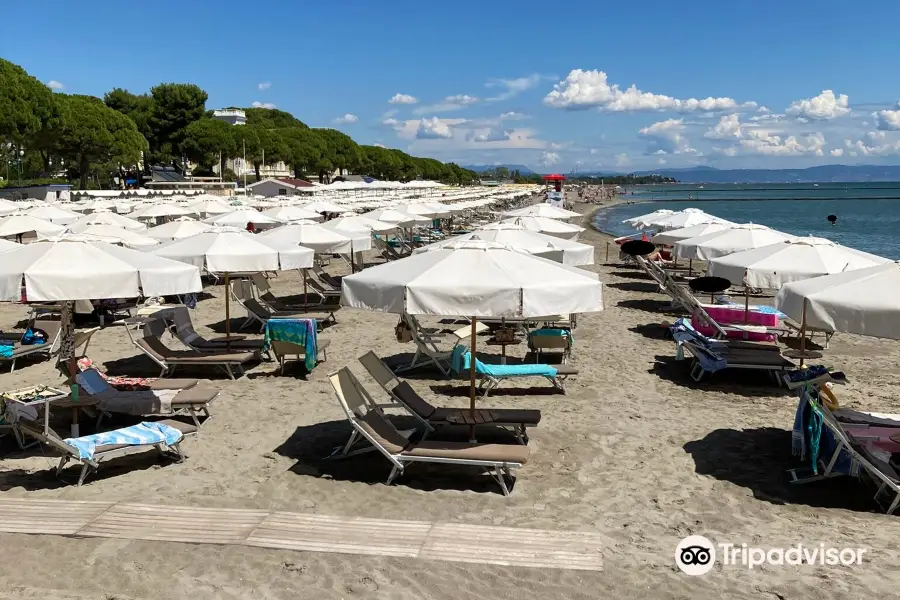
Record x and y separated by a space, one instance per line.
794 329
184 331
709 360
169 359
126 384
428 351
433 417
163 436
258 312
841 454
328 279
683 329
19 351
296 337
556 342
499 460
491 376
193 401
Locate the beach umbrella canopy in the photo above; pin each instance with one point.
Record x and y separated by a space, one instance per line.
485 281
728 241
54 214
552 227
292 213
119 235
21 224
73 270
208 206
359 223
8 245
240 218
106 218
178 229
641 218
429 210
324 206
796 259
686 218
222 251
670 237
542 210
564 251
397 216
7 207
311 235
162 210
862 301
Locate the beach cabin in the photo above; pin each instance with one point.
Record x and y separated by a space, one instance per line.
281 186
54 192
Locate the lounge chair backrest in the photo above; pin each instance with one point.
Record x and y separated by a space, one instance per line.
348 394
256 307
382 433
154 347
369 423
316 286
379 371
52 328
184 328
408 396
261 283
240 290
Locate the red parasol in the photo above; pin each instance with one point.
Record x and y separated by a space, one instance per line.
554 177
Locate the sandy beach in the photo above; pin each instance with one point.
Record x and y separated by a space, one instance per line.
636 452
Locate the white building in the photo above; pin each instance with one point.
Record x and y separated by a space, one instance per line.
239 166
232 116
281 186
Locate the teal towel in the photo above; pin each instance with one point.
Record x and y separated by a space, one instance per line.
461 359
296 331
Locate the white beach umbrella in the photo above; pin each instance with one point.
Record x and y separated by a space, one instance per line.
54 214
107 218
542 210
96 204
728 241
641 218
862 301
670 237
292 213
155 211
22 224
240 218
208 206
71 270
564 251
397 216
429 210
772 266
359 223
324 206
478 282
113 235
686 218
7 245
178 229
553 227
311 235
7 207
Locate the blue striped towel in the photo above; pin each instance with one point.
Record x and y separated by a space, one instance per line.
142 434
296 331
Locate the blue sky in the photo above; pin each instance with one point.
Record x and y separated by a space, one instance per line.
736 84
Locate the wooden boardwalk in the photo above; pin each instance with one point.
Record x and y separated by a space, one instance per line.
454 542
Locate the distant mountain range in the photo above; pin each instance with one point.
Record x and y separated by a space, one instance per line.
822 174
482 168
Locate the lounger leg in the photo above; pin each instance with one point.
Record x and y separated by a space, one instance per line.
84 473
178 452
497 474
394 473
228 370
62 463
195 418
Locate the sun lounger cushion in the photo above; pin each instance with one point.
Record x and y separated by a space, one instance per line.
164 354
410 398
386 435
197 396
501 453
143 434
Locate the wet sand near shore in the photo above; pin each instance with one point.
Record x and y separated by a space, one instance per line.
636 452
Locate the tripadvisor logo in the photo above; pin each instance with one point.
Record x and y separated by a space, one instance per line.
696 555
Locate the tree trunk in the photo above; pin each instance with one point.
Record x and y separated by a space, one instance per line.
256 168
222 160
84 167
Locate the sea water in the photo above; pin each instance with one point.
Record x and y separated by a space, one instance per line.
868 215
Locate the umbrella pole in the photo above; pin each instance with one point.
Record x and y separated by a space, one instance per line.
690 266
305 298
352 259
802 333
746 304
472 380
227 313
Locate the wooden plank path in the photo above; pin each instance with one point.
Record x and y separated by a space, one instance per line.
454 542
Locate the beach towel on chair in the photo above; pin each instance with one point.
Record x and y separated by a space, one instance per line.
136 402
295 331
462 358
142 434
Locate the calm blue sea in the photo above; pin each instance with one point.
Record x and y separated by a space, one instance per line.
868 214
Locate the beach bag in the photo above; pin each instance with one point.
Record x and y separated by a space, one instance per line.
402 332
34 337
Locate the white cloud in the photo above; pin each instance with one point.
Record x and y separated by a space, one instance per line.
390 122
591 89
550 158
490 135
262 105
825 106
622 160
728 127
450 103
512 116
403 99
346 119
595 151
666 137
887 120
264 85
55 85
513 87
433 129
732 151
766 142
837 152
874 147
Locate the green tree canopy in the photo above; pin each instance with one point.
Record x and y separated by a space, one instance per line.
272 118
88 132
175 106
209 141
305 148
340 150
137 107
26 104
